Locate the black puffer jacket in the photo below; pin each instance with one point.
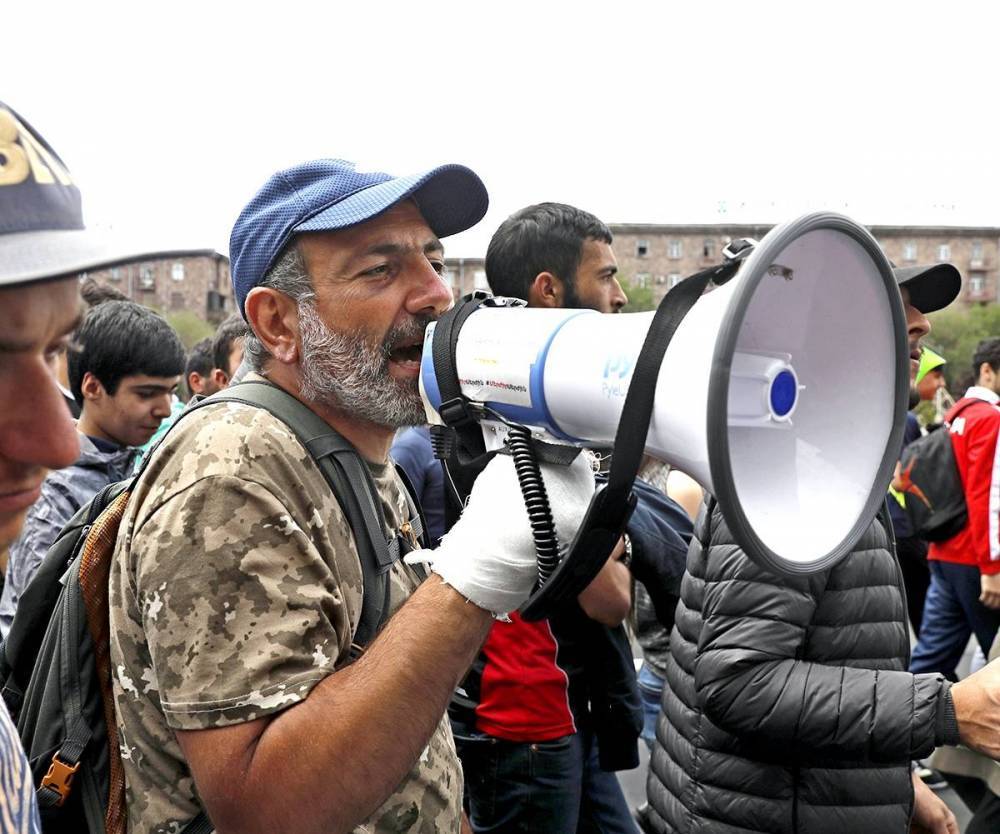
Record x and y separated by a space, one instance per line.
787 707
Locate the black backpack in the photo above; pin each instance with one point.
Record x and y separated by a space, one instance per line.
932 485
55 671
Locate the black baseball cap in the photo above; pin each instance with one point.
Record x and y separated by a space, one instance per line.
930 287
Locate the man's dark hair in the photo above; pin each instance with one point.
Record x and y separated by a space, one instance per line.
988 350
229 331
199 360
547 237
121 338
94 293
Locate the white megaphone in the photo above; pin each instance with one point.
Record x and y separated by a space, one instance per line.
782 392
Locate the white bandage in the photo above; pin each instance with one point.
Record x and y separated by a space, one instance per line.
489 555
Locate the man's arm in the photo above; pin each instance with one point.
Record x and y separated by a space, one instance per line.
608 598
340 753
752 683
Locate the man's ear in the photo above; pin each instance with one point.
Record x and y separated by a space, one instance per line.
546 291
274 318
220 378
91 387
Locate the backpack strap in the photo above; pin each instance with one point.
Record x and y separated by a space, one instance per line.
352 485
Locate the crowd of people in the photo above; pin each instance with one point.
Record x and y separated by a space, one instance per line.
242 691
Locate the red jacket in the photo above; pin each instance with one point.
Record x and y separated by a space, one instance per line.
974 439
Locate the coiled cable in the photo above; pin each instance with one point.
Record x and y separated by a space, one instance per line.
536 501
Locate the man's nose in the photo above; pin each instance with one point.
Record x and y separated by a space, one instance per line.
618 298
161 406
38 429
431 293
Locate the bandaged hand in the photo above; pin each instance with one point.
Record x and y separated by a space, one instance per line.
489 555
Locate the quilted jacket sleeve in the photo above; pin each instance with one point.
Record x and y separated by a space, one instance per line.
752 682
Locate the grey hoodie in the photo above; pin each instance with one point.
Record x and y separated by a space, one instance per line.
64 491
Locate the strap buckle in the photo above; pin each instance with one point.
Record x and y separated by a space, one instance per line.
60 778
738 249
456 413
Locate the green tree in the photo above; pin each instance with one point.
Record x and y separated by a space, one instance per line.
955 334
189 327
640 299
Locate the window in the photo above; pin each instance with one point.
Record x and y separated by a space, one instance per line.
479 281
116 273
708 248
943 252
642 280
675 249
977 284
147 280
977 253
176 301
673 279
641 248
216 302
910 251
177 271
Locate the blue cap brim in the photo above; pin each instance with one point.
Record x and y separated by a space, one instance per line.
451 199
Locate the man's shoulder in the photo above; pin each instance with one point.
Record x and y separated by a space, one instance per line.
226 439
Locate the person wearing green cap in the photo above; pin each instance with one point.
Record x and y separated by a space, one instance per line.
930 374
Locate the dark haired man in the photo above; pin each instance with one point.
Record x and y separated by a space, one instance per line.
124 365
964 594
198 371
227 350
575 248
788 708
537 738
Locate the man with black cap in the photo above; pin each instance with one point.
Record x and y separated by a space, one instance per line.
43 247
788 707
237 586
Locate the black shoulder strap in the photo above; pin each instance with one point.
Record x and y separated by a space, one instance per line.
352 484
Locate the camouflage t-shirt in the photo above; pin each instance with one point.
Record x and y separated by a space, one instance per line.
235 588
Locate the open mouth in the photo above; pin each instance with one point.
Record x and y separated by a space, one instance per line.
407 355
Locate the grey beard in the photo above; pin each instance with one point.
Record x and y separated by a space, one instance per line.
343 371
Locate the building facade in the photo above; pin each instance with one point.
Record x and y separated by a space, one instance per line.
196 281
659 256
466 275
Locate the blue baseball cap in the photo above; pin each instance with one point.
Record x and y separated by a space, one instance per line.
329 194
42 234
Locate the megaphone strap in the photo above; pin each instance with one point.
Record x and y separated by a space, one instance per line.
454 408
633 426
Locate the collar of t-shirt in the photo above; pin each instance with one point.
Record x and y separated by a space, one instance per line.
104 445
981 393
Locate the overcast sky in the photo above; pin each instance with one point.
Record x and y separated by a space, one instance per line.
171 115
